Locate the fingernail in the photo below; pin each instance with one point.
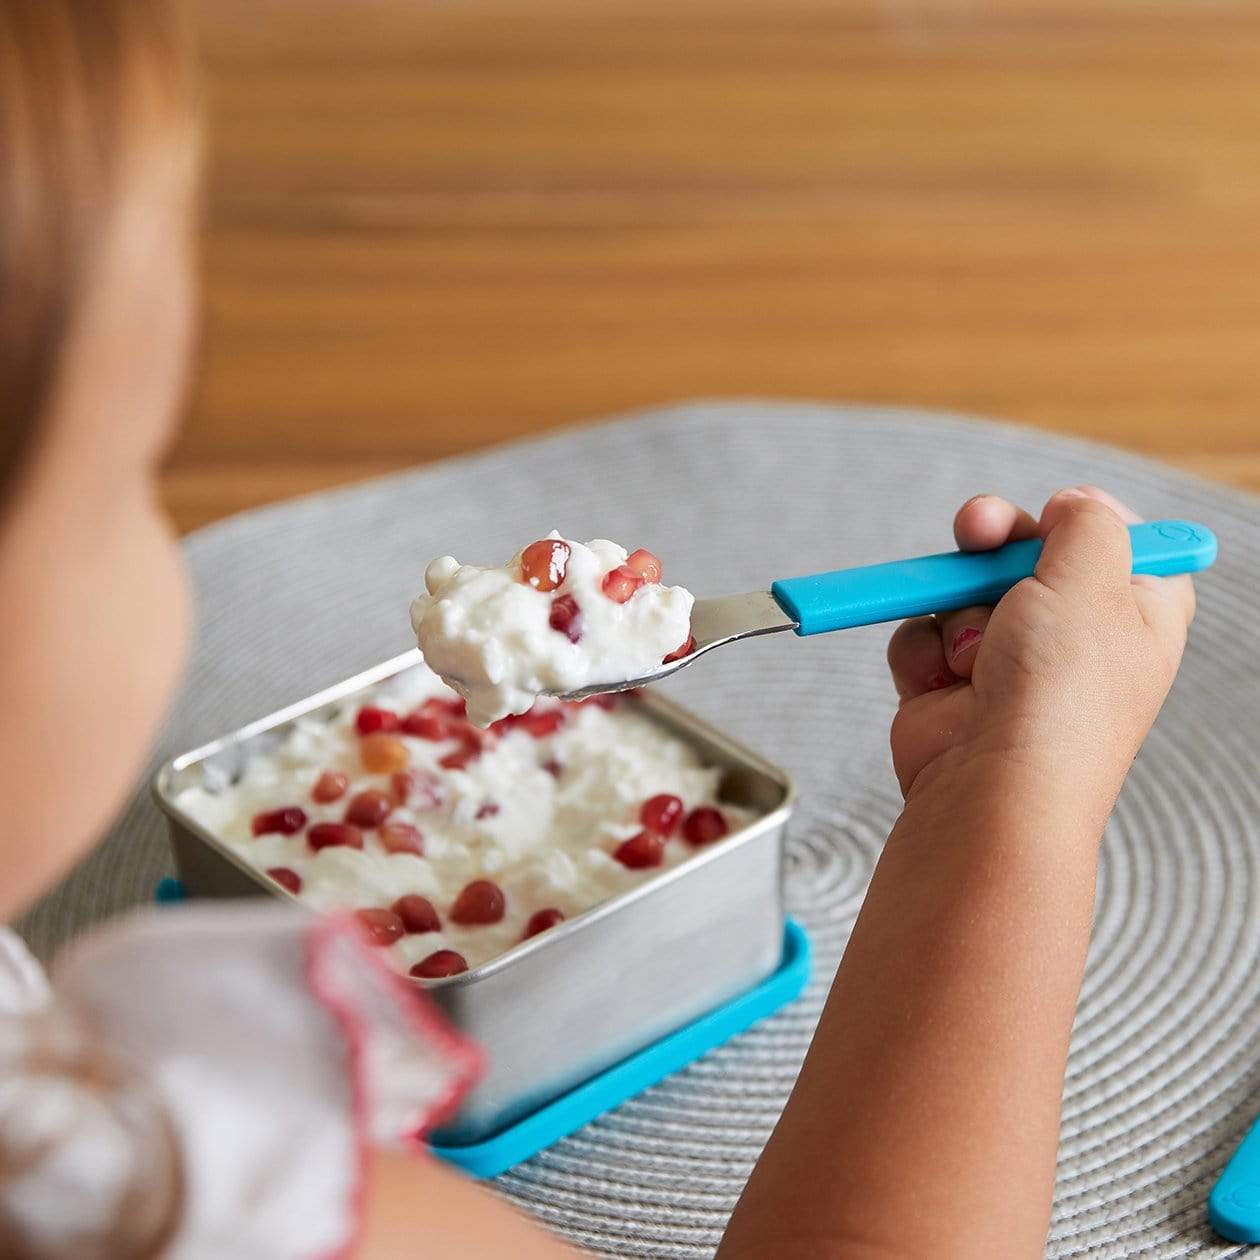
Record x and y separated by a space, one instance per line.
946 678
964 639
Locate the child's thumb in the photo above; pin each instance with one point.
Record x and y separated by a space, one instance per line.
1087 548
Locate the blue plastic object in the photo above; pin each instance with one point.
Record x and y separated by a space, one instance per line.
612 1087
957 579
1234 1204
169 891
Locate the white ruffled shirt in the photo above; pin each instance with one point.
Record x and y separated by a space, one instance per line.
278 1047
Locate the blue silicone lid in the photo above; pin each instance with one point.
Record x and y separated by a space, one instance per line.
631 1076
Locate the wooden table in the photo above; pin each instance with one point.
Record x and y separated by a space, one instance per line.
438 224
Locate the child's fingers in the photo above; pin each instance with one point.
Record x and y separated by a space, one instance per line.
916 658
1087 549
961 633
987 521
1166 610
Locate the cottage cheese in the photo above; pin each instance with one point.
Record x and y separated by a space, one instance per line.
539 815
502 637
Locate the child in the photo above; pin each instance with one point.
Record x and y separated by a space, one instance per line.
196 1083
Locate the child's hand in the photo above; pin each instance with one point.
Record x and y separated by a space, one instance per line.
1064 676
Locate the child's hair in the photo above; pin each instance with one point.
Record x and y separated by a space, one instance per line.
90 1166
84 86
87 87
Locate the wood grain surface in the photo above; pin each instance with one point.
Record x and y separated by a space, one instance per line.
439 224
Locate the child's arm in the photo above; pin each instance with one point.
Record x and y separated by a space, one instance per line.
925 1120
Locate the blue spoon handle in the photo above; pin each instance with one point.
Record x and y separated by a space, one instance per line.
957 579
1234 1204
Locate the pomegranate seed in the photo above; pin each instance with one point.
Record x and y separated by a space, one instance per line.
542 722
286 822
330 786
661 814
620 583
286 878
704 825
606 700
644 849
380 927
505 725
424 727
544 564
442 962
417 914
480 902
679 652
371 719
541 920
383 754
401 837
566 617
645 564
427 787
436 719
488 809
459 760
368 809
553 767
328 835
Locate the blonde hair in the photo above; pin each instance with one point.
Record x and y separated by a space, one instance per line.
84 86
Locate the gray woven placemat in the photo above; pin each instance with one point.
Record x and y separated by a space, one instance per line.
1165 1067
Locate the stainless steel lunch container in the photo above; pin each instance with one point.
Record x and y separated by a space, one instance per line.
576 999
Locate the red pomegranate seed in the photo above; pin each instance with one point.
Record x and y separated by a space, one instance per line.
368 809
383 754
401 837
645 564
427 789
424 726
380 927
371 719
606 700
417 914
661 814
487 809
620 583
543 722
436 719
480 902
704 825
328 835
644 849
566 617
442 962
679 652
286 878
553 767
330 786
459 760
541 920
544 564
286 822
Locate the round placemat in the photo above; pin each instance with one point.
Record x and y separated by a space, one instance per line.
1164 1074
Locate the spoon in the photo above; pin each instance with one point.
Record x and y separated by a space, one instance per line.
875 593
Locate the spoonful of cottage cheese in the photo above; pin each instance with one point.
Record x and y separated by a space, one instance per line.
558 617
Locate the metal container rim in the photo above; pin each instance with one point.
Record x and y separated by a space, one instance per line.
682 719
